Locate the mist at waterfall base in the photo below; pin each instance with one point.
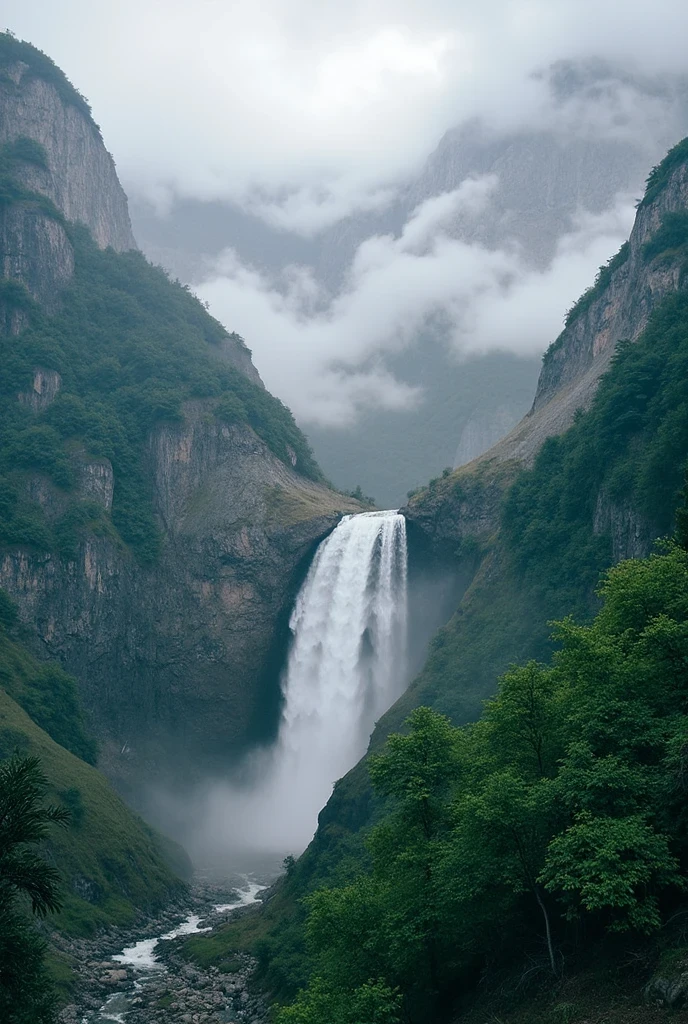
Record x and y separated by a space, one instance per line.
346 665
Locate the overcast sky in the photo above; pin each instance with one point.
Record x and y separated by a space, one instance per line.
224 98
305 111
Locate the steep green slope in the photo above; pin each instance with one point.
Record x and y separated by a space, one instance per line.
112 863
47 694
130 347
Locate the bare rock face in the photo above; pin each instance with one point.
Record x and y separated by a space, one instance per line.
179 663
46 384
75 175
80 178
632 536
97 482
572 368
35 252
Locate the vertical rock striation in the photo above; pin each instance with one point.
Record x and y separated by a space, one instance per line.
80 177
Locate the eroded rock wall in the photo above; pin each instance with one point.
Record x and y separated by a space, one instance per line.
178 663
80 177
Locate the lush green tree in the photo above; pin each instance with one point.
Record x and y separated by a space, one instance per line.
564 803
373 1003
26 880
614 866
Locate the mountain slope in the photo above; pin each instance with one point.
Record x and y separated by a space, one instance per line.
157 506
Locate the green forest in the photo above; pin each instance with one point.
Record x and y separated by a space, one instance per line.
556 820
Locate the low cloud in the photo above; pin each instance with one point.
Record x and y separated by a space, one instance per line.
304 112
326 356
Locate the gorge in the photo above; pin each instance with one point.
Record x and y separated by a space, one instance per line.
197 626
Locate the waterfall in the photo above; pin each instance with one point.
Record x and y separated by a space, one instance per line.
346 666
347 660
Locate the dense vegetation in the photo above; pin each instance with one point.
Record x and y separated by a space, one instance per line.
629 448
47 694
557 818
113 864
659 175
28 885
130 347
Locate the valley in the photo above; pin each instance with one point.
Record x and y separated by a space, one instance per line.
269 752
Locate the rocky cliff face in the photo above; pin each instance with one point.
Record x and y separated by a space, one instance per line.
74 176
80 177
179 664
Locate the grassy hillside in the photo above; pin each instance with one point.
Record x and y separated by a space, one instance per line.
47 694
113 864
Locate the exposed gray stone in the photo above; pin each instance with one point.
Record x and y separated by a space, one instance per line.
45 386
80 178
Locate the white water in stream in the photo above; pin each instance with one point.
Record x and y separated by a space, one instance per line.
142 958
346 666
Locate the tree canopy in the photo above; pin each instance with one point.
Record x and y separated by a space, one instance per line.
563 806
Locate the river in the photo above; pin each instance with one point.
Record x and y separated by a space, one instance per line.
141 957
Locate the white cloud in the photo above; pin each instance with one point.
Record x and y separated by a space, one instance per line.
326 356
305 110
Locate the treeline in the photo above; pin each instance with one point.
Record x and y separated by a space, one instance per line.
558 819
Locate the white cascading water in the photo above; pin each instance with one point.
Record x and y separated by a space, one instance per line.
346 666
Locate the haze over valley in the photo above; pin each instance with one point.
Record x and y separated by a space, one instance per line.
343 512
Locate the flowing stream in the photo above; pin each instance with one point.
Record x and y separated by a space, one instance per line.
142 959
346 666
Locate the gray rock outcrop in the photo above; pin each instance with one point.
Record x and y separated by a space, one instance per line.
80 177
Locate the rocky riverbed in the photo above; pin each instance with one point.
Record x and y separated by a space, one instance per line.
135 976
